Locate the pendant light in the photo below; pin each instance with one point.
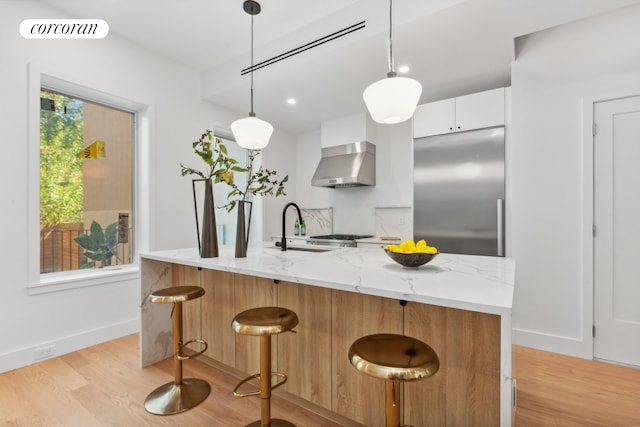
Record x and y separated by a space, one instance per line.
394 99
251 132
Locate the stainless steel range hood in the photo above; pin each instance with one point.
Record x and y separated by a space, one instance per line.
349 165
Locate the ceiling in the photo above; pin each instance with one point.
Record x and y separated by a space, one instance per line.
453 47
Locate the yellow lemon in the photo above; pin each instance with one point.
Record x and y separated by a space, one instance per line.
408 246
426 249
421 244
392 248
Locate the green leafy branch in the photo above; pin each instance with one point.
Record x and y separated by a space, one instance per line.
221 167
213 152
263 182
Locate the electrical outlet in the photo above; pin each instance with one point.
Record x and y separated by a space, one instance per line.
44 352
401 220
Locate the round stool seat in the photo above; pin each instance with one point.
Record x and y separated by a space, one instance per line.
176 294
393 357
264 321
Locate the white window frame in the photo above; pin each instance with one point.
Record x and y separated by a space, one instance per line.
59 281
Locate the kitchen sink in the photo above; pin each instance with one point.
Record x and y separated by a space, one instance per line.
298 248
302 248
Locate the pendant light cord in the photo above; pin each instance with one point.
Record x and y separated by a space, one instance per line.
251 113
390 58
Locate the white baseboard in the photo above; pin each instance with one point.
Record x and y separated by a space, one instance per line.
570 346
26 356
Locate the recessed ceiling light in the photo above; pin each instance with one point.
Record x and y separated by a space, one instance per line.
291 101
403 69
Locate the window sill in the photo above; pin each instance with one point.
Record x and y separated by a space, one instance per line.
54 282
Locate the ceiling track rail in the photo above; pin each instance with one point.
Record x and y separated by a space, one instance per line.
318 42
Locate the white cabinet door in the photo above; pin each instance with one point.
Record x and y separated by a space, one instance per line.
434 118
480 110
475 111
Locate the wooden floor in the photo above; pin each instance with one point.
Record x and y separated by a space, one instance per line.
557 390
105 386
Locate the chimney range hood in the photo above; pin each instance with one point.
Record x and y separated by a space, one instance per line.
349 165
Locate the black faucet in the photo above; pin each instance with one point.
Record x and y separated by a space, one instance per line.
283 242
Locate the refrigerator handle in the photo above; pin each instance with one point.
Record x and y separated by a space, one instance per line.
500 227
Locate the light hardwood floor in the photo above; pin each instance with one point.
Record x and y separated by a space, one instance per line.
557 390
105 386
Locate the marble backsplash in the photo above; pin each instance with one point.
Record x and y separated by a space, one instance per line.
389 221
394 222
318 221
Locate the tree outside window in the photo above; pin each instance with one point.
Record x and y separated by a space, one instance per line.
85 184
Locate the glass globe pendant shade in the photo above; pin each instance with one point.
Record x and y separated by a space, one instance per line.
392 100
252 133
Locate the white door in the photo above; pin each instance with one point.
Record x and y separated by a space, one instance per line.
617 239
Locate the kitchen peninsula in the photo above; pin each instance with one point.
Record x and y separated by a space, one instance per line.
459 304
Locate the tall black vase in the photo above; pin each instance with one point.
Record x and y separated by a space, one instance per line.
208 243
243 226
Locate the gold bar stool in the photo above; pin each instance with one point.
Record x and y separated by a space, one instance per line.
181 394
395 359
264 322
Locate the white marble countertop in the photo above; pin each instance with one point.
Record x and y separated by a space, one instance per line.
478 283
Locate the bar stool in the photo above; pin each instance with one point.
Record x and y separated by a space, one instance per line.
264 322
395 359
181 394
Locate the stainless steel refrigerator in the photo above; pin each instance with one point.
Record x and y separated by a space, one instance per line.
458 191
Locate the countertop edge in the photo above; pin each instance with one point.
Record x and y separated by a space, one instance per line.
270 267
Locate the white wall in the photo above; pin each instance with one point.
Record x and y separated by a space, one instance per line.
172 116
354 208
555 74
279 155
347 130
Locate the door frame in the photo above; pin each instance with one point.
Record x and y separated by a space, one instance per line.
588 166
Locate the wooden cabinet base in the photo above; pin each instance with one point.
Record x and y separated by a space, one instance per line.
355 395
306 355
466 391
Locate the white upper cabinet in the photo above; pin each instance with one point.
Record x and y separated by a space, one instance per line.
435 118
475 111
480 110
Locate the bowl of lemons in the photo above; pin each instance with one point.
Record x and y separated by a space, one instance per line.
411 254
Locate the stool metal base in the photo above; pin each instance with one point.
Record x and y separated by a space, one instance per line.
257 392
172 398
275 422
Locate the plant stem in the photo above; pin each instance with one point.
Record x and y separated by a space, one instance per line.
252 156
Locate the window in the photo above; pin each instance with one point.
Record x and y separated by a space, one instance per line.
86 186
